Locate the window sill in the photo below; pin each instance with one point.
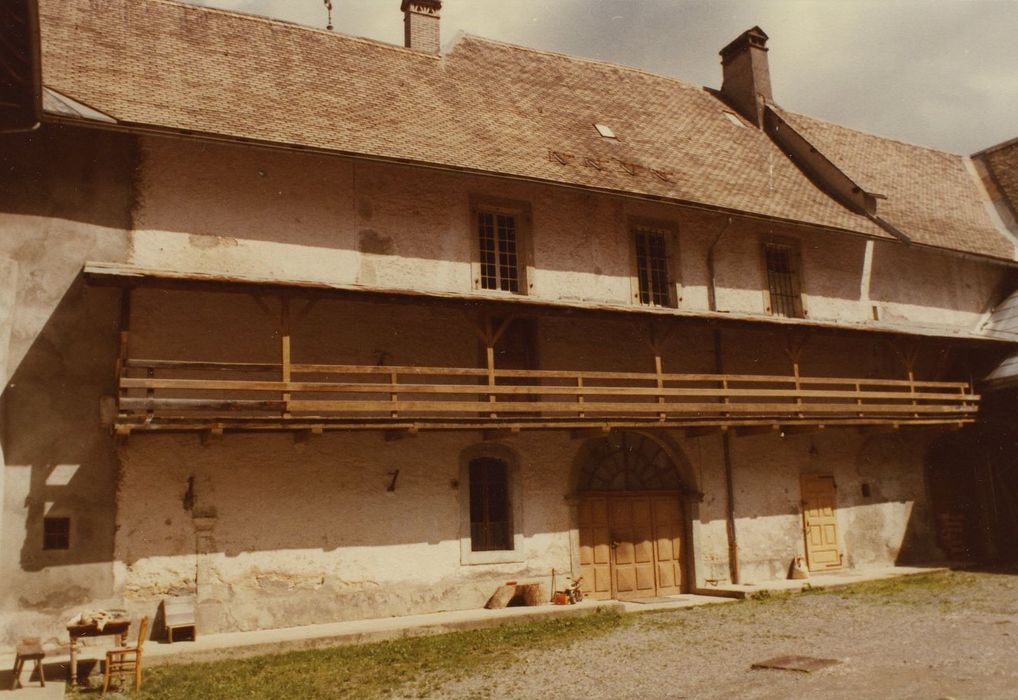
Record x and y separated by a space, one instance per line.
497 556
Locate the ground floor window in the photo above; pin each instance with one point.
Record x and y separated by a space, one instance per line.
490 513
56 533
491 505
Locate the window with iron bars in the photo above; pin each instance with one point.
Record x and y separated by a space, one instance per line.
490 520
56 533
499 250
783 280
652 267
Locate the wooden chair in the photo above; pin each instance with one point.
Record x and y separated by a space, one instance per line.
123 661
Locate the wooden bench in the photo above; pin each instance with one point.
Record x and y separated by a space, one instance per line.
178 613
28 650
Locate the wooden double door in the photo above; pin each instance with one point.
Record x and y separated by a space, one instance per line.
631 544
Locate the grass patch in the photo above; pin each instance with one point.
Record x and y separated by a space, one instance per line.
414 666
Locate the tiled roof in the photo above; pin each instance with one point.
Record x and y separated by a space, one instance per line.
483 106
1002 161
931 195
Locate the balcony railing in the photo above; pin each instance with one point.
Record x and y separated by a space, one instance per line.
172 395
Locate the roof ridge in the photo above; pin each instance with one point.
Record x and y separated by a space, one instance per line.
582 59
997 147
295 26
870 133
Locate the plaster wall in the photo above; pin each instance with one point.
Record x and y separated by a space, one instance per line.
63 200
221 209
277 531
309 532
891 525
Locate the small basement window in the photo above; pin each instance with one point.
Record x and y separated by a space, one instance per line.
605 131
56 533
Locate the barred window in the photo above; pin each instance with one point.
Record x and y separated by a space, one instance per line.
498 238
56 533
490 519
652 267
783 280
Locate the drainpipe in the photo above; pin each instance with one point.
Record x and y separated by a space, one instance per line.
726 446
712 301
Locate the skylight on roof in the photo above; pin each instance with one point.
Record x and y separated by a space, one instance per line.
605 131
734 119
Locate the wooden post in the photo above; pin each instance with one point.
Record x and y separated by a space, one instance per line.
793 349
579 396
393 396
908 356
657 342
125 334
284 338
489 350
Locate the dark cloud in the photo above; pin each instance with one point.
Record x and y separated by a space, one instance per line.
938 73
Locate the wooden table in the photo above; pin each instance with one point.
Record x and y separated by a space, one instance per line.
116 628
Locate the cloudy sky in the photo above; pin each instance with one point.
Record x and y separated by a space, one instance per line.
942 73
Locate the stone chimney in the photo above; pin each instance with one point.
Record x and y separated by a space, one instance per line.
420 25
747 79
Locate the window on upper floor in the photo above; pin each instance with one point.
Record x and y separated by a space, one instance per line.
654 284
784 288
501 261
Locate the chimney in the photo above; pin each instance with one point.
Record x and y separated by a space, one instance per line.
420 25
747 79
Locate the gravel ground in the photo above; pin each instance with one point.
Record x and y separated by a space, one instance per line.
944 636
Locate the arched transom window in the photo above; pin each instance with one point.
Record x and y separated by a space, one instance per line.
627 461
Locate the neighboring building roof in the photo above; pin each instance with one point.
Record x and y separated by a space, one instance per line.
486 107
1002 161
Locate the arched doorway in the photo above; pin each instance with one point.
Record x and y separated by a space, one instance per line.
630 518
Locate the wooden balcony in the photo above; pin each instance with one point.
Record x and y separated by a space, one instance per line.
159 395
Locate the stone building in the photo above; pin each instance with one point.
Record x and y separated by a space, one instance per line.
319 328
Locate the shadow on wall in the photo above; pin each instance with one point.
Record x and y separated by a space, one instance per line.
68 173
51 426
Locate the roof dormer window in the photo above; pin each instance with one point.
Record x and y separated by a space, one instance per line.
606 131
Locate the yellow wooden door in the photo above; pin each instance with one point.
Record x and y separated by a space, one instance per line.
668 525
820 522
595 547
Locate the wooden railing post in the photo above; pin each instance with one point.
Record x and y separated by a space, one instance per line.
579 394
284 350
660 383
122 354
393 396
489 348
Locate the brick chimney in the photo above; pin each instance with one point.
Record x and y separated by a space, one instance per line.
420 25
747 79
